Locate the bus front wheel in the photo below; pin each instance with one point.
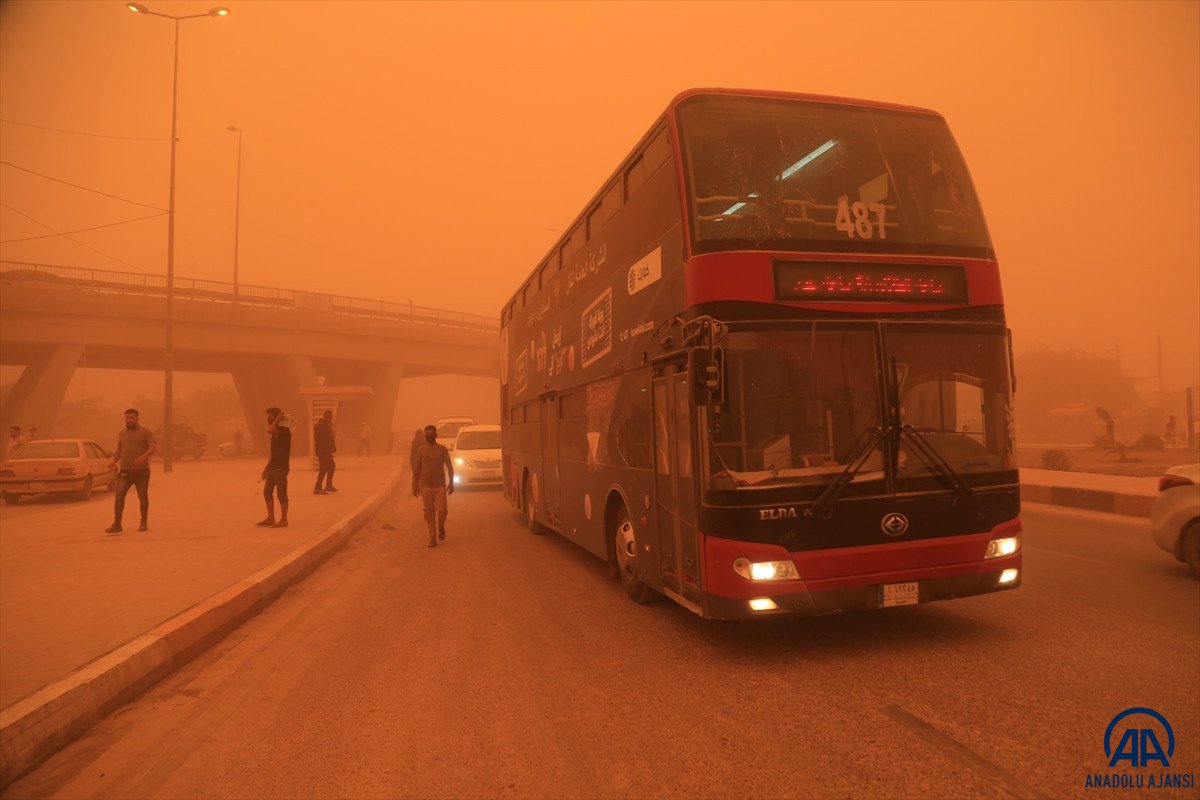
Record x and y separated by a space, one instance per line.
527 501
626 551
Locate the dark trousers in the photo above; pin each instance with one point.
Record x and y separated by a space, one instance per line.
276 482
138 478
325 467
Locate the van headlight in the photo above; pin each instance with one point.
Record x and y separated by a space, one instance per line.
766 570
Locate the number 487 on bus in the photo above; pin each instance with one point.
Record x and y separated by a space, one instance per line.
854 218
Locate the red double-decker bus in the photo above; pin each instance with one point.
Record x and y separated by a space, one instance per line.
766 371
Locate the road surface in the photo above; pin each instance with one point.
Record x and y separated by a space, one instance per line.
504 664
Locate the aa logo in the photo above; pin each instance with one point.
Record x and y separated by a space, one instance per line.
1138 742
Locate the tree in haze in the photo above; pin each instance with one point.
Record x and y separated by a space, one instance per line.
88 418
1053 384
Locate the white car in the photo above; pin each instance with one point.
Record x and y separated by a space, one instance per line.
1175 515
476 456
448 428
56 466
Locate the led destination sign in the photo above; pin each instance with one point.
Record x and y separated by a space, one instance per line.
823 281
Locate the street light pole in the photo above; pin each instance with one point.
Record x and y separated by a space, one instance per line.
237 210
169 360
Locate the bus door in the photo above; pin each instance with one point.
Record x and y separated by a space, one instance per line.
550 482
674 487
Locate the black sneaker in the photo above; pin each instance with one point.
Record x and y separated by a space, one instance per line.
330 489
319 491
442 533
114 528
432 543
143 526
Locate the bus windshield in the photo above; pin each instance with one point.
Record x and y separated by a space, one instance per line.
955 398
798 405
802 406
802 175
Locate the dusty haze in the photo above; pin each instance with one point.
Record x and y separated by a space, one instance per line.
432 151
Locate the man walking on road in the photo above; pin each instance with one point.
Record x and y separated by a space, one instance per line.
275 473
324 446
429 483
135 445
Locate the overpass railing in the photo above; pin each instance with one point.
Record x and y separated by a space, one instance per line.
111 281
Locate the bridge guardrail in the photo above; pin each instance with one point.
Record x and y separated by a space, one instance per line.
102 280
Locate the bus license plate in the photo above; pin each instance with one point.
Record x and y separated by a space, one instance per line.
900 594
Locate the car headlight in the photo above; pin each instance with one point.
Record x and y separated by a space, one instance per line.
766 570
460 461
998 548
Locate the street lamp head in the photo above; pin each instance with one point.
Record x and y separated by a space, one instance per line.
136 8
233 128
219 11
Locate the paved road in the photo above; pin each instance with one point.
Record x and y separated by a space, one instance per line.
508 665
69 593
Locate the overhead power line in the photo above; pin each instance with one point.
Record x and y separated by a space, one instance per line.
86 133
68 237
81 230
77 186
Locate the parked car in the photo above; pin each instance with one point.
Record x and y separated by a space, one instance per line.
53 466
476 455
448 428
186 442
1175 515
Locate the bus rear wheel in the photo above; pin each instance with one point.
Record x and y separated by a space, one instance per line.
626 551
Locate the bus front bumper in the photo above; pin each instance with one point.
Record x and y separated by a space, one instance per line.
859 578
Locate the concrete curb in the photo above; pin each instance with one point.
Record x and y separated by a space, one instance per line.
1132 505
33 729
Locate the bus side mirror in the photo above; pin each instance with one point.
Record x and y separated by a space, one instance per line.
708 376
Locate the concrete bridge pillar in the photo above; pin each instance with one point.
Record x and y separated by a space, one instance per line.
39 393
276 382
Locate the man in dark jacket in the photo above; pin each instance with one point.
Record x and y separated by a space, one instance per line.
324 446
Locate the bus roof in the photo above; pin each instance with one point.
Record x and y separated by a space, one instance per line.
814 98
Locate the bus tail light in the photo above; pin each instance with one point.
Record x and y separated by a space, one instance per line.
1006 546
766 570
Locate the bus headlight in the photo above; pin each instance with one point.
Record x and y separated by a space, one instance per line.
1003 547
1008 576
766 570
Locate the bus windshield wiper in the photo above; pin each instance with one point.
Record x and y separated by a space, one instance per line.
866 444
929 454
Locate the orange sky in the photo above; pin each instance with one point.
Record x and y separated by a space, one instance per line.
430 151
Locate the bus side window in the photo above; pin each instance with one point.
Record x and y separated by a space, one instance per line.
594 222
657 153
572 436
541 278
524 295
611 203
634 178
